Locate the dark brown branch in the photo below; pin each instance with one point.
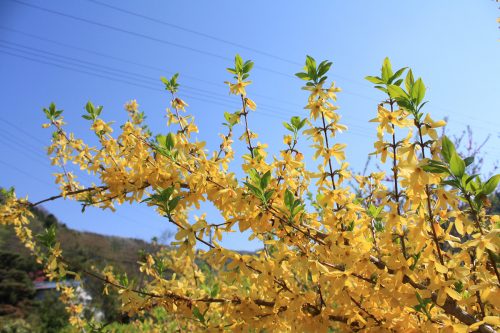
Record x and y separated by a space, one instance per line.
395 175
475 215
429 206
55 197
245 113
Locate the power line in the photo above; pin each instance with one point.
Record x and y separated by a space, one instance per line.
105 77
151 38
98 74
104 55
202 34
112 57
20 129
277 115
34 154
127 74
198 79
362 131
141 35
151 67
19 144
13 167
212 37
130 75
101 68
120 72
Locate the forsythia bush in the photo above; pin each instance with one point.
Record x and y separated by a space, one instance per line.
415 253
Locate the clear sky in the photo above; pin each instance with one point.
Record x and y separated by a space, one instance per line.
110 52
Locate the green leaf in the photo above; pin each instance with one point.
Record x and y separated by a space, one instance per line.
48 237
174 202
295 121
89 107
324 67
417 91
165 80
491 184
419 298
170 141
8 193
215 290
469 160
310 63
470 178
447 148
374 211
247 67
434 162
268 195
289 199
288 126
264 181
255 190
386 70
397 74
301 124
238 63
398 82
435 169
99 110
451 182
382 89
396 92
161 140
167 193
303 76
198 315
298 207
457 165
374 79
409 81
254 176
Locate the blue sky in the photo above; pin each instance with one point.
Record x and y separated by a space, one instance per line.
70 52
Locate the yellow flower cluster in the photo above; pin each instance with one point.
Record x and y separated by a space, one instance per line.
400 255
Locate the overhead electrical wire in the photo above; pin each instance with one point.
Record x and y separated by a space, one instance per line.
202 34
348 92
354 131
139 34
135 76
148 79
127 61
13 167
215 38
120 72
150 87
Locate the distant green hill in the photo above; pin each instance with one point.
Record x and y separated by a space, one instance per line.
82 248
20 312
18 269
